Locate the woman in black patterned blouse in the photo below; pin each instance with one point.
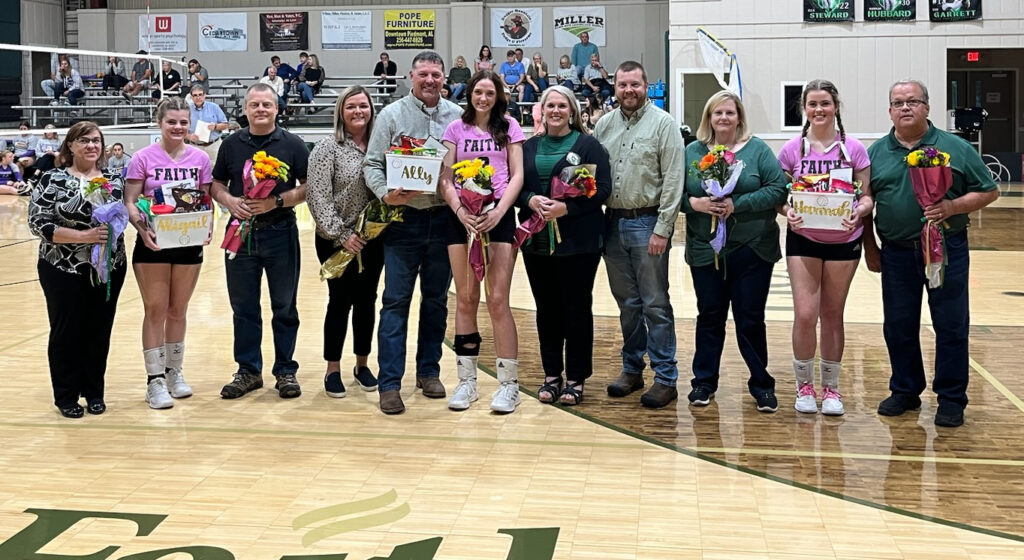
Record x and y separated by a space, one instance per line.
337 195
81 314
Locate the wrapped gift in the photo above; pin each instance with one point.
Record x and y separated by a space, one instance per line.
182 229
413 172
823 210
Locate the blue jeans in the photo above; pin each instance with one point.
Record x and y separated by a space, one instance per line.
639 283
902 281
73 95
274 249
743 279
529 91
414 247
305 92
456 91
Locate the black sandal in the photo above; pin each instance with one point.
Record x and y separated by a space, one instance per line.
552 388
573 391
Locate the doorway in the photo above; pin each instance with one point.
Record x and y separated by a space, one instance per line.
995 90
694 87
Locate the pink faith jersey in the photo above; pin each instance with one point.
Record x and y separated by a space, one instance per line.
155 168
852 154
471 142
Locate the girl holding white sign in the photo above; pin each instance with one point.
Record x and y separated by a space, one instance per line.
822 260
166 275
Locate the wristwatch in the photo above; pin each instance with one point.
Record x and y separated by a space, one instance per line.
280 201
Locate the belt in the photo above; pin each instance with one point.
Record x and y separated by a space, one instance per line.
261 222
619 213
914 243
204 144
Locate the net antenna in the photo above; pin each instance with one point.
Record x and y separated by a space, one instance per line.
720 61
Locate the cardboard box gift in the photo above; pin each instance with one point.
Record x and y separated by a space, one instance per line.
823 210
183 229
413 173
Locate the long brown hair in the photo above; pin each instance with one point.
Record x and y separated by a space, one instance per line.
829 88
64 156
497 124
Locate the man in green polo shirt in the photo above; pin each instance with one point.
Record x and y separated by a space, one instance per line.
898 220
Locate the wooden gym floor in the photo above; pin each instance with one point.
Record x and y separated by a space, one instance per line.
314 477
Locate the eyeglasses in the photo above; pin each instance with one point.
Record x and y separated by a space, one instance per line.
912 103
86 141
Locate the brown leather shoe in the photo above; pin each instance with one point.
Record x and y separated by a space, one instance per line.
432 387
391 402
626 384
659 396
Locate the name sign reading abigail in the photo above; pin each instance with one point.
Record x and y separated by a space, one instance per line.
413 173
182 230
822 210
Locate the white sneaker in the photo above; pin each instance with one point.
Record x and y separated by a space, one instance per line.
54 103
506 398
805 399
157 395
831 402
464 394
176 382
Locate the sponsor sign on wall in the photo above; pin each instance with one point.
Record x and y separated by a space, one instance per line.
284 31
223 32
890 10
163 33
570 22
516 27
409 29
954 10
828 11
347 30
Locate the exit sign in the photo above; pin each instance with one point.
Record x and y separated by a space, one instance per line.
973 56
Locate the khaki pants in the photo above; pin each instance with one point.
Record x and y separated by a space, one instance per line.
211 150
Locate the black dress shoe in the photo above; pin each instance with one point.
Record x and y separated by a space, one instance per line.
72 411
96 407
949 415
897 404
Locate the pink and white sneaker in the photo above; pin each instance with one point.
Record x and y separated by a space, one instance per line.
831 402
805 399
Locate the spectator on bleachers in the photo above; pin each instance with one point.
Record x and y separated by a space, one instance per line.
519 56
536 78
67 85
47 149
211 114
458 76
55 59
595 108
581 53
386 67
142 76
483 61
567 74
197 76
271 78
303 60
114 75
513 75
595 79
25 147
288 75
311 79
11 181
118 160
170 81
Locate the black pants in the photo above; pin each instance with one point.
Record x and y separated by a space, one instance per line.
355 291
563 288
80 324
114 81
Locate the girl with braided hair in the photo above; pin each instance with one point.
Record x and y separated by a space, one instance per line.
822 262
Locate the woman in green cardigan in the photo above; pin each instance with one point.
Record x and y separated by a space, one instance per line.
742 272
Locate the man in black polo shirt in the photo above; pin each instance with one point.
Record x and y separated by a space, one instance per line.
899 221
274 246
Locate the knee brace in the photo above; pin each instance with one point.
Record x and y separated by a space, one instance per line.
467 344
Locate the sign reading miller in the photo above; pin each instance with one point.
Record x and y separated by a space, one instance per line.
828 11
890 10
954 10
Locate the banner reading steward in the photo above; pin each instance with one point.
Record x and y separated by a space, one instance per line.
828 11
409 29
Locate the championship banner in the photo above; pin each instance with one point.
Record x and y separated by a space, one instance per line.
409 29
346 30
570 22
163 33
954 10
516 27
890 10
828 11
223 32
284 31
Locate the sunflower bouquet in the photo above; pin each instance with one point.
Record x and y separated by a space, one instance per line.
931 177
476 195
260 176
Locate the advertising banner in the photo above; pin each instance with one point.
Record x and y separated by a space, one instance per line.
163 33
284 31
570 22
409 29
347 30
516 27
222 32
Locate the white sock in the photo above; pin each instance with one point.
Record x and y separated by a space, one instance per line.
830 374
175 354
803 370
154 358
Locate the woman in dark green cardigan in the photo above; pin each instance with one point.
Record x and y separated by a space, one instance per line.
742 273
562 273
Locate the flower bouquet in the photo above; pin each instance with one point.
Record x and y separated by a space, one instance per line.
370 225
110 211
572 182
931 176
718 170
476 194
259 177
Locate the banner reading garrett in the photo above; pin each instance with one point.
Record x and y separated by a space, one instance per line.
284 31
